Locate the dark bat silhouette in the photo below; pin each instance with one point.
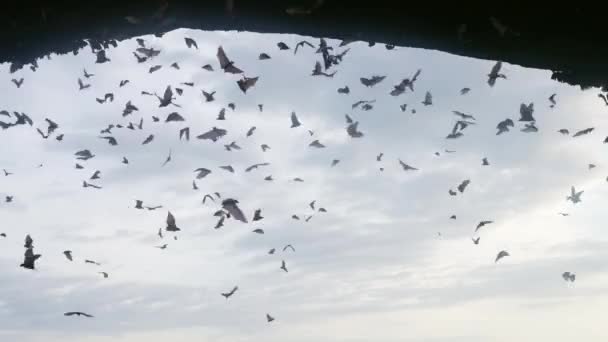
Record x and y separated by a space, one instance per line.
222 114
167 98
189 84
28 241
406 167
552 100
68 255
167 160
258 231
316 144
504 125
464 91
485 162
106 97
96 175
263 56
231 206
86 74
84 155
148 139
208 96
184 132
246 82
208 67
194 187
87 261
191 42
232 106
526 112
125 160
154 68
202 172
175 116
282 46
77 313
583 132
129 108
148 52
111 140
230 293
302 44
269 318
89 185
481 224
255 166
257 215
140 59
372 81
265 147
495 74
123 83
104 274
283 266
171 225
261 107
428 99
18 82
228 168
138 204
476 241
362 102
288 246
603 97
225 63
353 131
232 146
101 57
209 197
501 255
404 84
268 178
294 120
214 134
82 86
344 90
250 131
462 186
154 207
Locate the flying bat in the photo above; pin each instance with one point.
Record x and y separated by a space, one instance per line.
77 313
230 293
191 42
526 111
583 132
225 63
372 81
214 134
231 206
171 225
246 82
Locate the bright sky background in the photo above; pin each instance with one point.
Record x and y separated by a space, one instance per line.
373 268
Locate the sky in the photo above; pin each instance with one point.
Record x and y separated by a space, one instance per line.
384 263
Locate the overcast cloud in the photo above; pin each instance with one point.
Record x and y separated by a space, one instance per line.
385 263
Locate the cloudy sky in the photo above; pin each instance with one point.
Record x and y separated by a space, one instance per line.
385 263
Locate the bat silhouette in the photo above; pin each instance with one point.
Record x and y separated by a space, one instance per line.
464 91
125 160
77 313
154 68
258 231
263 56
104 274
568 276
288 246
255 166
428 99
29 259
208 96
191 42
175 116
476 241
232 146
68 255
583 132
552 100
501 255
482 224
269 318
208 67
123 83
202 172
282 46
222 114
129 108
316 144
86 74
250 131
148 139
257 215
485 162
225 63
405 83
265 147
96 175
530 128
214 134
294 120
283 266
372 81
463 185
174 65
18 82
344 90
504 125
526 111
167 160
230 293
101 57
231 206
171 225
406 167
87 261
246 82
184 132
302 44
82 86
228 168
495 74
352 130
167 98
84 155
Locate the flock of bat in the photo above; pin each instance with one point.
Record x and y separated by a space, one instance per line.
230 207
